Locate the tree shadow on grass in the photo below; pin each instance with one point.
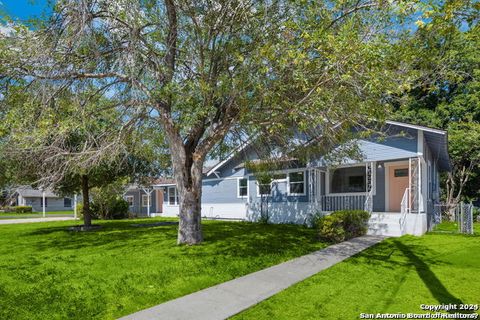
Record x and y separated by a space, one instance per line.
386 253
235 239
434 285
112 234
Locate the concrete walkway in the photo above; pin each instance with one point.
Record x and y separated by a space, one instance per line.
229 298
30 220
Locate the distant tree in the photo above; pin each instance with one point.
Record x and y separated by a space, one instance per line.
69 146
203 69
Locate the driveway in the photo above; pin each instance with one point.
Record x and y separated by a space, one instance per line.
31 220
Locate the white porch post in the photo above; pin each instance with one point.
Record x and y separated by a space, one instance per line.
420 186
75 206
43 203
420 153
148 204
148 192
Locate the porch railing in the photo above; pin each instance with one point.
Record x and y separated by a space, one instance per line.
343 202
368 205
404 209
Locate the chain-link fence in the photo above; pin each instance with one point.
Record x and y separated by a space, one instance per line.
458 218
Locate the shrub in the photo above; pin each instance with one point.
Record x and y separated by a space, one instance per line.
113 208
23 209
80 210
312 220
343 225
330 228
119 209
107 202
476 214
355 222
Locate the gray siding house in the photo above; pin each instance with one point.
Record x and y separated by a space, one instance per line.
27 196
145 201
397 180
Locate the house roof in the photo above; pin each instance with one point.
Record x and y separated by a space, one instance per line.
232 154
163 182
157 182
436 139
27 191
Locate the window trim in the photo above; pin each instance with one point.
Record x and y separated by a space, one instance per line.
358 193
238 188
175 196
272 182
304 193
145 205
258 189
133 200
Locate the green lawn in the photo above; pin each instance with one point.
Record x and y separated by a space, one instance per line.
47 272
396 275
10 215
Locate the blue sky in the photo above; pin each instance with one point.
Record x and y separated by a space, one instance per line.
23 9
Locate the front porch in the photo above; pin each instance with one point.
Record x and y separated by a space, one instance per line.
390 190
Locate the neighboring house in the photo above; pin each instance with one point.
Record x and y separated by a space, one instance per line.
27 196
138 198
397 180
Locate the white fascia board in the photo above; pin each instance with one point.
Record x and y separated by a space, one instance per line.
414 126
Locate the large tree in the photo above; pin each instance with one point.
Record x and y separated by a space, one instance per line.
446 94
200 69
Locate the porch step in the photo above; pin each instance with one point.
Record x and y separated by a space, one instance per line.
385 224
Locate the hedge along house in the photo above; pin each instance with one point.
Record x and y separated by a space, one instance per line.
397 180
28 196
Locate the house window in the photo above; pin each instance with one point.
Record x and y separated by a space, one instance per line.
348 180
279 177
400 173
129 199
296 183
46 202
67 202
264 185
172 196
264 189
145 200
242 190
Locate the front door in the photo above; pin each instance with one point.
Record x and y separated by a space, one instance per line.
397 183
159 197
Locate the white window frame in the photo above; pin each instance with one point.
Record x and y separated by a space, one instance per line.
175 196
304 193
266 194
238 188
145 203
271 183
363 165
133 200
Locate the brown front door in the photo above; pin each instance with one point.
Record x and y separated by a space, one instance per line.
397 183
159 200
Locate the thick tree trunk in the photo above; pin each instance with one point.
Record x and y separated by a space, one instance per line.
189 185
190 224
87 217
188 177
